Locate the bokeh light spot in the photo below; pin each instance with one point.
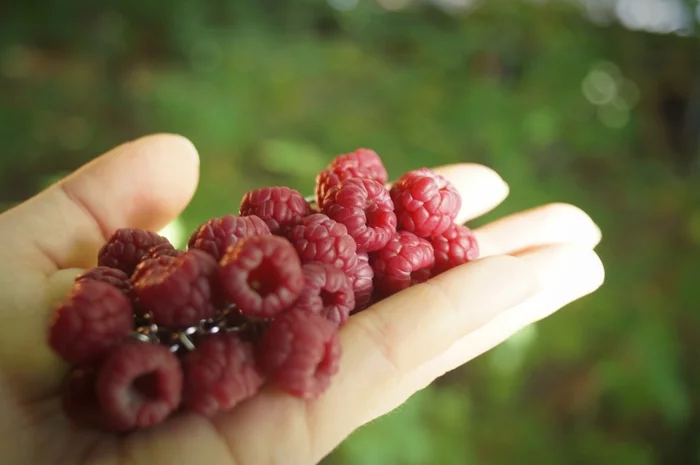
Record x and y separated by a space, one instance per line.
599 87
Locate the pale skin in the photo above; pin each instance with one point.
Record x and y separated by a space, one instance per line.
534 263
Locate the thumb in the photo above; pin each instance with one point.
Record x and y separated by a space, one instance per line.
142 184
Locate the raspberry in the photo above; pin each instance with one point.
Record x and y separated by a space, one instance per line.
220 373
426 203
327 292
105 274
148 263
214 236
332 176
406 260
454 247
126 247
80 402
362 163
93 318
365 159
280 207
262 275
164 249
362 285
300 352
179 291
365 208
321 239
139 384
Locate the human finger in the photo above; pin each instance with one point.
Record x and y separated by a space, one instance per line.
566 273
141 184
555 223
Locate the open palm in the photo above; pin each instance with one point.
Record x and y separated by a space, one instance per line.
534 263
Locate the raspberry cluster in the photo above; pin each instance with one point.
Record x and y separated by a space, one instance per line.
258 298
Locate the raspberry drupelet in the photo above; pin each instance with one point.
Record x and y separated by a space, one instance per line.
426 203
139 384
262 275
219 374
105 274
159 250
147 264
405 260
280 207
327 292
126 247
318 238
217 234
456 246
300 352
365 208
179 291
362 282
94 317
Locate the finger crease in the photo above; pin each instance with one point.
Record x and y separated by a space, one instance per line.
48 255
232 455
82 205
378 337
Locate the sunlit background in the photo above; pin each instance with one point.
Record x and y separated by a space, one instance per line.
595 102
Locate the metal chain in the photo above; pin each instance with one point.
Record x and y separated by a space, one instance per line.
184 340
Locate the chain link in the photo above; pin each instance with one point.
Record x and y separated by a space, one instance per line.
184 340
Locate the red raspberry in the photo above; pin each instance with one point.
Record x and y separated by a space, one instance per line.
126 247
220 373
262 275
80 402
362 163
92 319
406 260
280 207
362 284
301 352
318 238
147 264
164 249
139 384
366 159
365 208
145 267
214 236
426 203
105 274
332 176
454 247
327 292
179 291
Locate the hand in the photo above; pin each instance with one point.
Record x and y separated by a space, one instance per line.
390 351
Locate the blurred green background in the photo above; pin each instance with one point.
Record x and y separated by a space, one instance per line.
594 102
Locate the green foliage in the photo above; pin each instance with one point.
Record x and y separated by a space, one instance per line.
565 110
